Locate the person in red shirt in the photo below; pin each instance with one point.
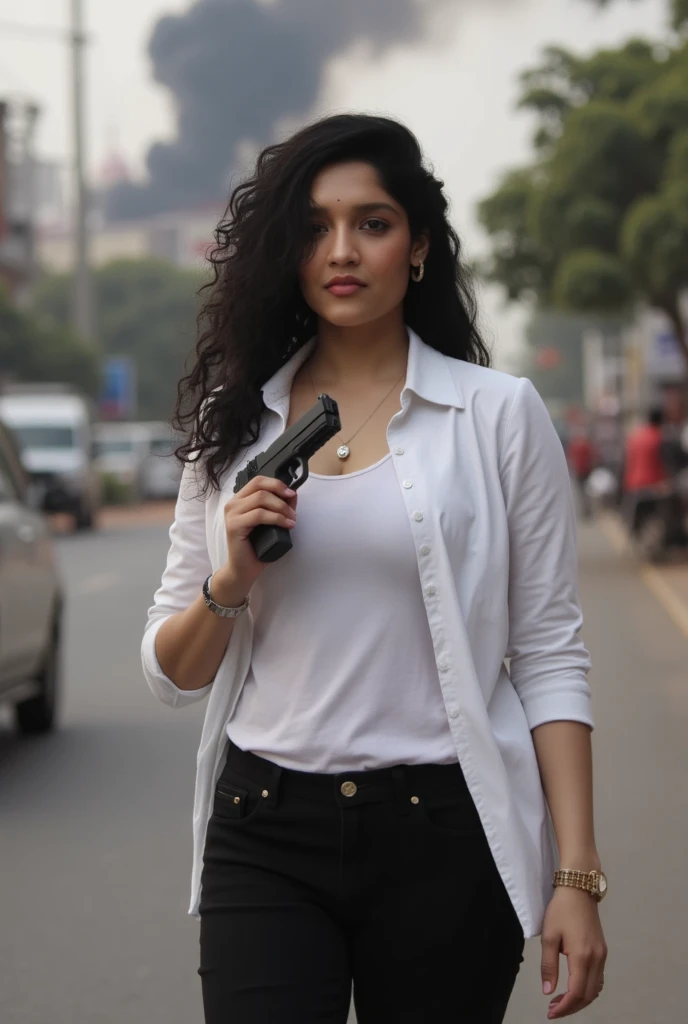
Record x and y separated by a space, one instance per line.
650 494
581 457
645 466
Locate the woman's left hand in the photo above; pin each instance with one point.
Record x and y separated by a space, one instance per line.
572 927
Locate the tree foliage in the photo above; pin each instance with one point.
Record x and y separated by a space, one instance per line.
34 351
678 11
146 309
599 219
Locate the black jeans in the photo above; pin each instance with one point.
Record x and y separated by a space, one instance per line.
383 878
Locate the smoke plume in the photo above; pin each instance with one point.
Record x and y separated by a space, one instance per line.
235 68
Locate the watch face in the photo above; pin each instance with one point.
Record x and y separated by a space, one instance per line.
602 885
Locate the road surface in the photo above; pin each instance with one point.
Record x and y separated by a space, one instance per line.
95 820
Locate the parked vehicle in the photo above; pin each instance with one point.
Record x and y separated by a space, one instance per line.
161 472
54 429
140 456
121 450
30 601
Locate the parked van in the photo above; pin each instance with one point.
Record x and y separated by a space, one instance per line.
54 428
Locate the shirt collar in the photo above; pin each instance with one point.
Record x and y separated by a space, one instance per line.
428 375
431 376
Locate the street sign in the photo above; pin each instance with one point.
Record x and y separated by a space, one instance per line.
118 395
664 357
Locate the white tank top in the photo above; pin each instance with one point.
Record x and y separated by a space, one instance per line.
343 674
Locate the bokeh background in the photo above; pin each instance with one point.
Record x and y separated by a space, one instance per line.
560 129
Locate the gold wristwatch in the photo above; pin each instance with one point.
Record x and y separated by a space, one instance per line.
594 882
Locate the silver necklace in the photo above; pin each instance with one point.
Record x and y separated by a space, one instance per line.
344 451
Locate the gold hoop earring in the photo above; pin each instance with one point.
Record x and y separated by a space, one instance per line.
418 272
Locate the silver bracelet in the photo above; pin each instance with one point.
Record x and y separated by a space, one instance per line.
221 610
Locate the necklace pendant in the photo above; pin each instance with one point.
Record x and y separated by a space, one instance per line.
343 451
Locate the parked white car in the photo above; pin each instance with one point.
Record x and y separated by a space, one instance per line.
121 450
31 601
141 456
54 429
161 472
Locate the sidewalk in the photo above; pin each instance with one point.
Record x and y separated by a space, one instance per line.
668 583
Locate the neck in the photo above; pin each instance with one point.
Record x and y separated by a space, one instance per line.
374 353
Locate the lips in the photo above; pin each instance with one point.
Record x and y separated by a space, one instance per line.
343 286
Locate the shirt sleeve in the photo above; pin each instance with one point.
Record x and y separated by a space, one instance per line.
549 662
188 565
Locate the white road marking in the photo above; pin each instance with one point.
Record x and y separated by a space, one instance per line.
667 597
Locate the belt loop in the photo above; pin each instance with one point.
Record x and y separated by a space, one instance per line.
401 789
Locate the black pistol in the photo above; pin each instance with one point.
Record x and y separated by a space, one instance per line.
287 460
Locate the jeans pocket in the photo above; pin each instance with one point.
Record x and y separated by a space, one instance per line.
236 804
451 814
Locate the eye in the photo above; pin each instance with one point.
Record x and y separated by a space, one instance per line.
318 229
376 225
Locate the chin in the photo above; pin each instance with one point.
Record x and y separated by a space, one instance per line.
350 314
343 316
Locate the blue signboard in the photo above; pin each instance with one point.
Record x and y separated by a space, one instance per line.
118 395
665 359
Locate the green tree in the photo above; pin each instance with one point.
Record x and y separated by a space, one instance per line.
146 309
599 220
678 11
33 351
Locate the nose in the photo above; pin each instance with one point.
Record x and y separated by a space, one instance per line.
343 249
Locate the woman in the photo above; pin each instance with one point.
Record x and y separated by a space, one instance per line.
368 800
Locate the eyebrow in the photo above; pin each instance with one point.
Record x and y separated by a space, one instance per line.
360 208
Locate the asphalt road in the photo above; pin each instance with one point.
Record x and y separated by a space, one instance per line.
95 820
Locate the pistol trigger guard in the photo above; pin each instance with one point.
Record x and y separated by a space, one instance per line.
302 464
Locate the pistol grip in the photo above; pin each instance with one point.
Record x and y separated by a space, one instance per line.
270 543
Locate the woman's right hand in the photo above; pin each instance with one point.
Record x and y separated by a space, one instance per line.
264 501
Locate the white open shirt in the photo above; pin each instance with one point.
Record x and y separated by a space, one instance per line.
485 483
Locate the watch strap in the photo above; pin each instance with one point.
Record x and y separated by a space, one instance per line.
221 610
589 881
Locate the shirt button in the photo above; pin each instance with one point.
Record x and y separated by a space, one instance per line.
425 550
454 714
443 666
430 591
408 484
398 451
418 516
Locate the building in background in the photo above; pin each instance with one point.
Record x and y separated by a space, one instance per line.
51 206
18 266
182 237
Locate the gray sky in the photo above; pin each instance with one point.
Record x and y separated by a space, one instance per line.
455 88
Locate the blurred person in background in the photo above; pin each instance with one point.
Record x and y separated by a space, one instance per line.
644 465
653 504
581 457
372 784
674 454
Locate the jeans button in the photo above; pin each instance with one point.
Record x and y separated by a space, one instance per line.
349 789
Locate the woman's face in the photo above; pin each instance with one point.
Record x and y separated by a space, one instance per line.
362 254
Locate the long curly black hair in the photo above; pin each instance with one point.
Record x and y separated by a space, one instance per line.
255 316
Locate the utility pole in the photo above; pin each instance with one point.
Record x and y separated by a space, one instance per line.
83 313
